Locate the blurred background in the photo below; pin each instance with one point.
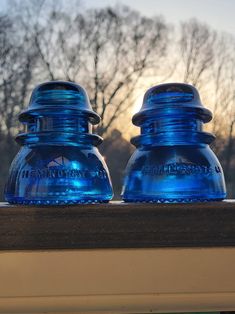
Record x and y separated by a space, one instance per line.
116 52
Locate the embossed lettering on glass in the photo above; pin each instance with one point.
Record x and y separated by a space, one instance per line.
173 161
58 162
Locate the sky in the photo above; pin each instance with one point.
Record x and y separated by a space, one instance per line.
217 13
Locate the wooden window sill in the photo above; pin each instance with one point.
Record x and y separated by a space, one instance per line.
118 258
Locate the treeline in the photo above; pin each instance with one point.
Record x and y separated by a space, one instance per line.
115 53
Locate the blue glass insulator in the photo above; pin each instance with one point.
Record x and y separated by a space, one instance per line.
173 161
58 162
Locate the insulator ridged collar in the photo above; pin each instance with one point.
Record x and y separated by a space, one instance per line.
62 97
160 98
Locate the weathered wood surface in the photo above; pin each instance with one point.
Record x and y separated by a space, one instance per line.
117 225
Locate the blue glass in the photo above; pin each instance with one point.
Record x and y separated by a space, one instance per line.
173 161
58 162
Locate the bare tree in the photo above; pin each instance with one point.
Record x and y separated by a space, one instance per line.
111 51
17 57
223 98
197 51
222 76
107 50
